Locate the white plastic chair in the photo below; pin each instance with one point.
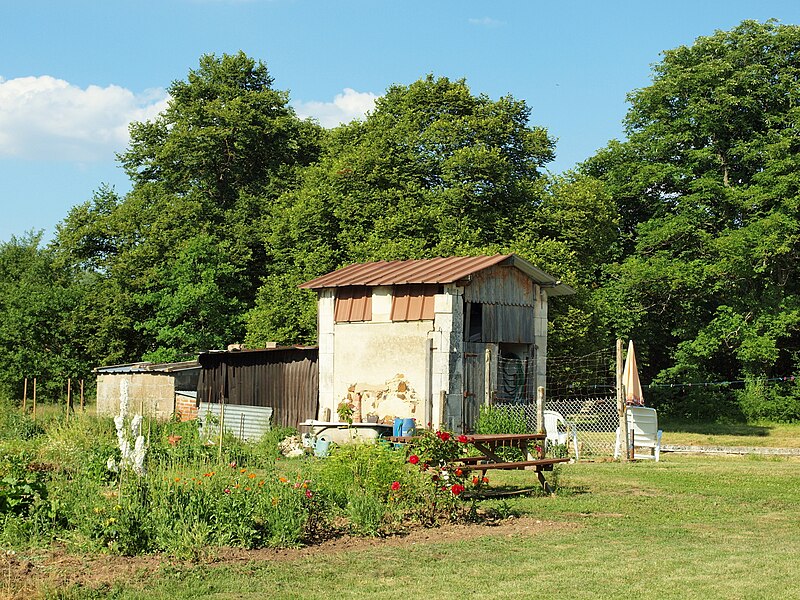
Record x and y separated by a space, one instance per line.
643 430
559 430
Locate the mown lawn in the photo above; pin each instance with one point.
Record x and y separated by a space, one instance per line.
770 435
687 527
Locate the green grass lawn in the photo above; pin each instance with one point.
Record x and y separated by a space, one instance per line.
772 435
687 527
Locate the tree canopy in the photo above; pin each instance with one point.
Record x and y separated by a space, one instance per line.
707 184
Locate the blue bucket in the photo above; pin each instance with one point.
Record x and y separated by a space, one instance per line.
397 429
409 427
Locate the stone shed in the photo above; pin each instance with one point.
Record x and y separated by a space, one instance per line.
158 390
432 339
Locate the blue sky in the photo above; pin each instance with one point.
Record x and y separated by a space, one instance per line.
74 74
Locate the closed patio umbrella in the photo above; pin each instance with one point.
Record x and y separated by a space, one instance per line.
630 378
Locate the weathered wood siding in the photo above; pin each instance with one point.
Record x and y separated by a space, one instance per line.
501 285
287 379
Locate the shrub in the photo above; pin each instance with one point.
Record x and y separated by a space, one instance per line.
503 419
760 401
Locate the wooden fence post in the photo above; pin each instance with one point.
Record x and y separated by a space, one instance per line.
487 377
623 421
540 409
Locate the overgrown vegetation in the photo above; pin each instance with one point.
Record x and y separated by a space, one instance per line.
58 483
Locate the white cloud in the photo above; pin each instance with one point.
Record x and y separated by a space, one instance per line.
345 107
485 22
50 119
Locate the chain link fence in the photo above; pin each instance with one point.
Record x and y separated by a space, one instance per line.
580 389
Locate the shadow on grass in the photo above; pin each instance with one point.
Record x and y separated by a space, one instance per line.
742 429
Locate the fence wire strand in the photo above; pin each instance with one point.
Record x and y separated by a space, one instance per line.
581 389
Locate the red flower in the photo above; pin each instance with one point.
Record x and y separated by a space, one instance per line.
459 472
443 435
463 439
395 486
485 480
413 459
475 481
309 494
456 489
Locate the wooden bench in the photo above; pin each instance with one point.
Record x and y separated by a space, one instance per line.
541 464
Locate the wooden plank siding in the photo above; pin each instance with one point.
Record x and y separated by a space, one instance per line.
287 379
501 285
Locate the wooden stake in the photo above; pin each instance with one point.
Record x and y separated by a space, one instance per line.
221 425
34 398
25 396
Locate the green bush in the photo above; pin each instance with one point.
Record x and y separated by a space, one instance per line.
773 401
14 425
503 419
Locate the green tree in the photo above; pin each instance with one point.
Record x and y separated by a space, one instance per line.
177 262
433 171
40 332
708 188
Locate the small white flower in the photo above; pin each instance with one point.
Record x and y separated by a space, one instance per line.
136 425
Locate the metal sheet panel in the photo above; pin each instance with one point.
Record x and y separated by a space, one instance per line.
245 422
432 270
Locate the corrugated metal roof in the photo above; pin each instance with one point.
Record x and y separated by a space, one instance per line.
430 270
147 367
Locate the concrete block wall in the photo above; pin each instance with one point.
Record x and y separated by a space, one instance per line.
152 394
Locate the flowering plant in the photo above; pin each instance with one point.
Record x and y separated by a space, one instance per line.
438 454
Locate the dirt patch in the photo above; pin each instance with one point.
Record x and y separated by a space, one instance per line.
32 575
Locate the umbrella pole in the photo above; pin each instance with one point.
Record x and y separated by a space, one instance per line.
623 421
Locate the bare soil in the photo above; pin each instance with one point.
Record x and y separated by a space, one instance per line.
32 576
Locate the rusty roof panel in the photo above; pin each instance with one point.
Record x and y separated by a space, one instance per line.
399 272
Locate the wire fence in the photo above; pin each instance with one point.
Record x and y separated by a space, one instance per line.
581 389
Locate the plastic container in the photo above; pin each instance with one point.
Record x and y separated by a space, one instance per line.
322 447
409 427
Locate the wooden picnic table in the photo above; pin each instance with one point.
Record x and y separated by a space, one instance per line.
490 443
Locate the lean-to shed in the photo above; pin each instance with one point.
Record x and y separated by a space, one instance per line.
432 339
283 379
157 390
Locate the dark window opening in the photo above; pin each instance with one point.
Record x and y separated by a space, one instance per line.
473 325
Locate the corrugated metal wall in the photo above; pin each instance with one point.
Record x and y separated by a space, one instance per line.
245 422
287 379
